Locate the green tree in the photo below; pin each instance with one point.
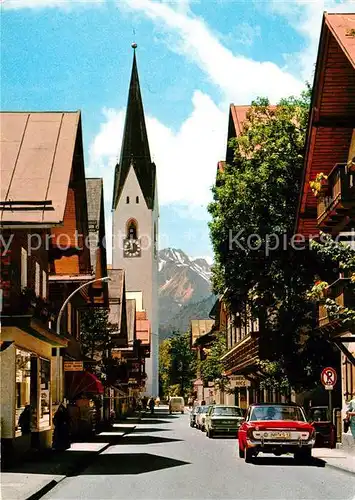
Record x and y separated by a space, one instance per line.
253 216
211 367
177 364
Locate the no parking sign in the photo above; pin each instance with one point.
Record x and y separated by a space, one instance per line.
328 378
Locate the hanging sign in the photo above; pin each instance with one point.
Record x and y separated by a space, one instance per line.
328 378
73 366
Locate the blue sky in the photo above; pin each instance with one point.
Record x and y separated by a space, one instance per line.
194 59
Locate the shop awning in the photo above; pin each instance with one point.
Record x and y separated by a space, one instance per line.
82 383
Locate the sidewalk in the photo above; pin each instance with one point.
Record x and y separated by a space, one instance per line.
31 479
336 458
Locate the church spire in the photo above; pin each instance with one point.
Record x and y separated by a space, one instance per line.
135 147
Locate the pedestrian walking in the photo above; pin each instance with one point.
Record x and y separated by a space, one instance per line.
61 435
151 404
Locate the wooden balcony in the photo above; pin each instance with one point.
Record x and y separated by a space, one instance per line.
243 357
344 297
336 208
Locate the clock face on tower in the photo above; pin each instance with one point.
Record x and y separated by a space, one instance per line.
131 248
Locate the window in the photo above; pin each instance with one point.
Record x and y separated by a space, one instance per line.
127 200
137 199
132 230
44 284
37 279
23 268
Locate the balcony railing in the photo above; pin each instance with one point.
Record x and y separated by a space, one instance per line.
338 201
243 356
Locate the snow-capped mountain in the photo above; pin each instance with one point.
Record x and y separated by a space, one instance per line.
182 280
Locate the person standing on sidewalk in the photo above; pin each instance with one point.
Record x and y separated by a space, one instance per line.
61 435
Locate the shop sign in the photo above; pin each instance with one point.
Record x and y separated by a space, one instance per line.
239 381
132 381
73 366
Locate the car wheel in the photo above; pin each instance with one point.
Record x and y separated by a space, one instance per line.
182 411
241 452
248 455
304 455
210 434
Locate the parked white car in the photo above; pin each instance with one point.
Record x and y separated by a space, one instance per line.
201 417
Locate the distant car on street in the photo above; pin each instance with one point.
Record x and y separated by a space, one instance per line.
193 415
222 419
201 417
277 428
176 404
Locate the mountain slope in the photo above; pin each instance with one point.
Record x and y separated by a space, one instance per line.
182 281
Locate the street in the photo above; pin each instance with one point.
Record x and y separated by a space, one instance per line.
165 458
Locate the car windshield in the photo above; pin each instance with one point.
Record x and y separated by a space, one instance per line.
277 413
176 400
231 411
203 409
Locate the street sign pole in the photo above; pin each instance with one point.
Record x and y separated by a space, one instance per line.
330 404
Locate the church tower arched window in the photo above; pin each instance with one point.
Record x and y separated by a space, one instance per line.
132 230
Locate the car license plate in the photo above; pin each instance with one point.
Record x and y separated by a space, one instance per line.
228 422
280 435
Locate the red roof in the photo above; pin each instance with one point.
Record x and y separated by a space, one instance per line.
143 331
332 116
341 25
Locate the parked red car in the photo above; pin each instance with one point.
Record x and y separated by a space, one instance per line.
276 428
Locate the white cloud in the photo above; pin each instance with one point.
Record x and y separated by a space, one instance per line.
240 79
41 4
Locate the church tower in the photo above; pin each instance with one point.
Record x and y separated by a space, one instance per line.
135 216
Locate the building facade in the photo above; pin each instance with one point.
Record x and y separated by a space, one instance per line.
330 151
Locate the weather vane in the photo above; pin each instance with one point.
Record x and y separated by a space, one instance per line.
134 45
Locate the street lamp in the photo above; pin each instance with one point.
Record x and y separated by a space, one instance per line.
105 278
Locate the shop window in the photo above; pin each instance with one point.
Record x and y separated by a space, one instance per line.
37 279
23 391
44 391
23 268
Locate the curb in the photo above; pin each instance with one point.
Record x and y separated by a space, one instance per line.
337 467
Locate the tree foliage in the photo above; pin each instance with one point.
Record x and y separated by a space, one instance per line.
253 216
177 365
211 367
95 331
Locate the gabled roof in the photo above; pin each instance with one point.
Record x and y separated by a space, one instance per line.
94 195
199 328
332 114
36 159
131 320
135 146
341 26
116 290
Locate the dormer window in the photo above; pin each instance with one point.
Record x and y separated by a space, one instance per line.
127 200
137 199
